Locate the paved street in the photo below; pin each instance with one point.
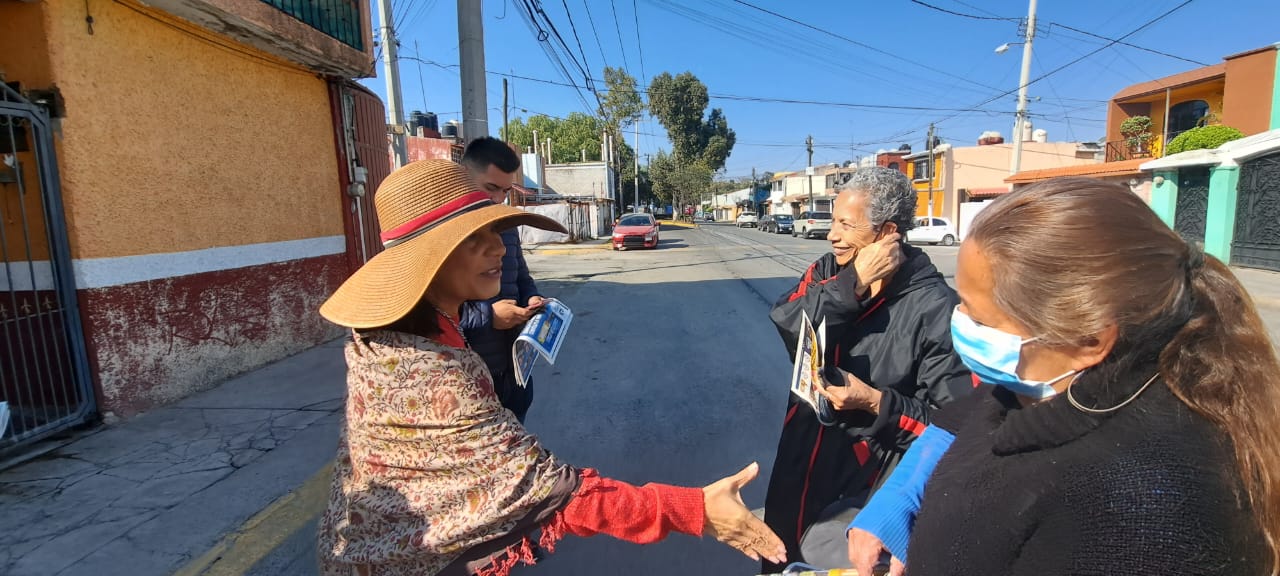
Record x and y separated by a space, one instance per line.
672 373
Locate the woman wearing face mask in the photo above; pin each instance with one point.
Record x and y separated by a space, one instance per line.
433 475
1130 422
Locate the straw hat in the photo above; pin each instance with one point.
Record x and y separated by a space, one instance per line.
425 209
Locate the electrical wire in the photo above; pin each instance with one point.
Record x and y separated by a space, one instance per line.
613 6
591 20
635 12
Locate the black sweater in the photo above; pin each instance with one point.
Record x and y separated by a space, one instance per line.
1049 490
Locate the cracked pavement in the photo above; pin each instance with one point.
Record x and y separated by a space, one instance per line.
147 496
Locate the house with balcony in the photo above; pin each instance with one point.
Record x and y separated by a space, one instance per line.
196 177
1142 119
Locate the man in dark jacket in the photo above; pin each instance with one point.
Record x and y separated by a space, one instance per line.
492 326
889 358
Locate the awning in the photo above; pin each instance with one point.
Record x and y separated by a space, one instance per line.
1103 170
986 192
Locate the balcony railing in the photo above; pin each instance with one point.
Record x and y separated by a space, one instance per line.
1134 148
337 18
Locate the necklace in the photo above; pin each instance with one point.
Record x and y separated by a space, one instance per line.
455 325
1083 408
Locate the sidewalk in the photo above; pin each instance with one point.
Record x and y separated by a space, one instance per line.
151 495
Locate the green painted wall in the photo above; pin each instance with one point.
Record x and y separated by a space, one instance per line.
1164 197
1275 97
1220 222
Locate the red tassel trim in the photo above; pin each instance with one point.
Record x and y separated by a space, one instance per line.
522 552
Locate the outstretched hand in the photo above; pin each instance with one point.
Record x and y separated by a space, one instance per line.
728 519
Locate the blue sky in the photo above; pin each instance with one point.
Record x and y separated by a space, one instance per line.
936 67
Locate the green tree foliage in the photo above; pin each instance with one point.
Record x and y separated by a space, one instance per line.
676 182
569 137
1203 138
620 105
680 102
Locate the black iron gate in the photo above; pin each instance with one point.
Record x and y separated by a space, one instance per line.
1192 206
44 377
1257 234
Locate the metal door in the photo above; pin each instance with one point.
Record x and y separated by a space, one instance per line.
1257 235
44 375
1192 205
364 159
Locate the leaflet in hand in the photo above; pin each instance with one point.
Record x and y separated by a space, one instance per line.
541 336
806 377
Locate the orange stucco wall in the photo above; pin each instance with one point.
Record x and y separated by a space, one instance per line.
176 139
1247 101
22 58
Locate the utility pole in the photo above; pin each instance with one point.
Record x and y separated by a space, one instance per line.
929 146
506 124
808 144
1020 118
636 153
475 102
395 101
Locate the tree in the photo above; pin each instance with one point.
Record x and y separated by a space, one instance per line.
569 136
677 182
679 103
620 105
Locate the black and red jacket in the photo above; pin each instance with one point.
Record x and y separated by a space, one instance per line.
899 342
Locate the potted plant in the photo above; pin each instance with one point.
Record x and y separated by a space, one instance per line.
1137 135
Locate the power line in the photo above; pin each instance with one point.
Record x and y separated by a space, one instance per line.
613 6
1081 58
1059 25
743 98
963 15
591 20
635 11
861 44
574 27
1166 54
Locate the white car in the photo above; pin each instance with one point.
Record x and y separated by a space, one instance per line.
933 231
746 219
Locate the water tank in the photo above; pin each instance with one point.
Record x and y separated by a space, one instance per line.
990 137
451 130
1040 135
904 148
1027 130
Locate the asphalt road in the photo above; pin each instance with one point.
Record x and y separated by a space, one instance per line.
672 372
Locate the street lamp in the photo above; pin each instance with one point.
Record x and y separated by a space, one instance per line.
1001 49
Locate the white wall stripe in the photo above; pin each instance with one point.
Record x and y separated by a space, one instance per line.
105 272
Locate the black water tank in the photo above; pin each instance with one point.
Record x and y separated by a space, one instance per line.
450 130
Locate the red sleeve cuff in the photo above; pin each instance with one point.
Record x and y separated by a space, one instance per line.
642 515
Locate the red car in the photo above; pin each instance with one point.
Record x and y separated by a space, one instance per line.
635 231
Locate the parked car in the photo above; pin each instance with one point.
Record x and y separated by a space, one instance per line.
635 231
934 231
746 219
703 217
811 224
776 223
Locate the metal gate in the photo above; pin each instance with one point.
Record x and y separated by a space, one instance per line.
364 159
1192 207
1257 235
44 376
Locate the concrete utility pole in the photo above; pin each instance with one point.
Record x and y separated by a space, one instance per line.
1021 117
636 153
395 101
808 144
506 123
929 146
475 102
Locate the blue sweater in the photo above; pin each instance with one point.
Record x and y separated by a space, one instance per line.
892 510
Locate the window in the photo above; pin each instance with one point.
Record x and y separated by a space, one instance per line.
938 222
893 166
921 169
1186 115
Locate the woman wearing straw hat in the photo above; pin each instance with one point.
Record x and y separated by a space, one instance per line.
433 475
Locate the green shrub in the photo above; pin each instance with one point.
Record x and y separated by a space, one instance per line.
1203 138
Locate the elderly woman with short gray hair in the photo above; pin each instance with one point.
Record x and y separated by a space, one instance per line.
889 363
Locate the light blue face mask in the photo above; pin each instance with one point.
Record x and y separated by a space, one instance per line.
993 356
